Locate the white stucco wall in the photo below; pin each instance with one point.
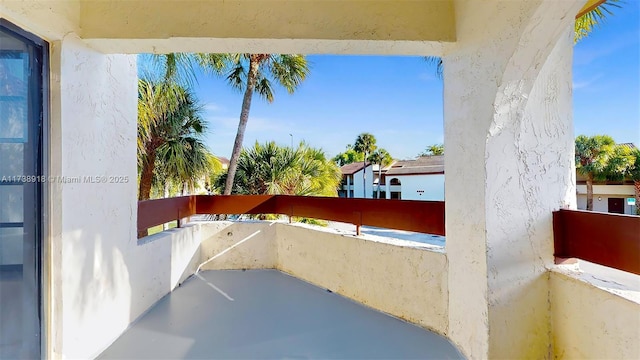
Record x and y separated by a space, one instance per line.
622 190
591 323
245 245
407 282
357 183
92 234
509 139
50 20
421 187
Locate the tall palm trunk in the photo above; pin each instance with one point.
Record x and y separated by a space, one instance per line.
379 180
364 176
590 192
254 64
636 185
146 175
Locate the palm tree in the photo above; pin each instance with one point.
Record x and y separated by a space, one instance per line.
592 156
277 170
348 156
256 73
169 135
366 144
181 67
382 158
246 72
431 150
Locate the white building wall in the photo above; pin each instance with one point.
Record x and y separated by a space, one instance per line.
601 203
421 187
357 184
95 264
601 195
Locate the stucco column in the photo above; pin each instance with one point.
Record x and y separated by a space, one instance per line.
509 164
93 203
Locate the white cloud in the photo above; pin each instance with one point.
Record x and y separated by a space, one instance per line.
212 107
581 84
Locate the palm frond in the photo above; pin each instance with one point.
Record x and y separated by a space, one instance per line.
586 23
264 89
237 74
437 63
289 70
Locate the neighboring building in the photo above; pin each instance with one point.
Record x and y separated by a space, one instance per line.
351 185
419 179
608 196
224 162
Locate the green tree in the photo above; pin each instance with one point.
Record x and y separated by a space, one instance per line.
366 144
620 161
592 157
348 156
382 158
278 170
181 67
170 131
245 72
257 73
435 149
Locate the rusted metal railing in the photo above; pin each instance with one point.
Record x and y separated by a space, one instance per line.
418 216
607 239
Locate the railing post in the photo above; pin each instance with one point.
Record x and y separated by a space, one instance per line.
290 214
559 249
357 216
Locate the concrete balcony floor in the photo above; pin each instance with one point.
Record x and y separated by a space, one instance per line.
266 314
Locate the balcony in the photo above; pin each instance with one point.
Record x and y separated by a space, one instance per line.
271 289
495 291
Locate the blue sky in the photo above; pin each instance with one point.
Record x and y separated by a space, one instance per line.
399 99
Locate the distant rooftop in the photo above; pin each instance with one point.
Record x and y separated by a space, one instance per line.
422 165
223 160
352 168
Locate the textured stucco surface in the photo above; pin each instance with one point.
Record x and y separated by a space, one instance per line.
246 245
92 225
174 22
591 323
407 282
49 19
508 133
